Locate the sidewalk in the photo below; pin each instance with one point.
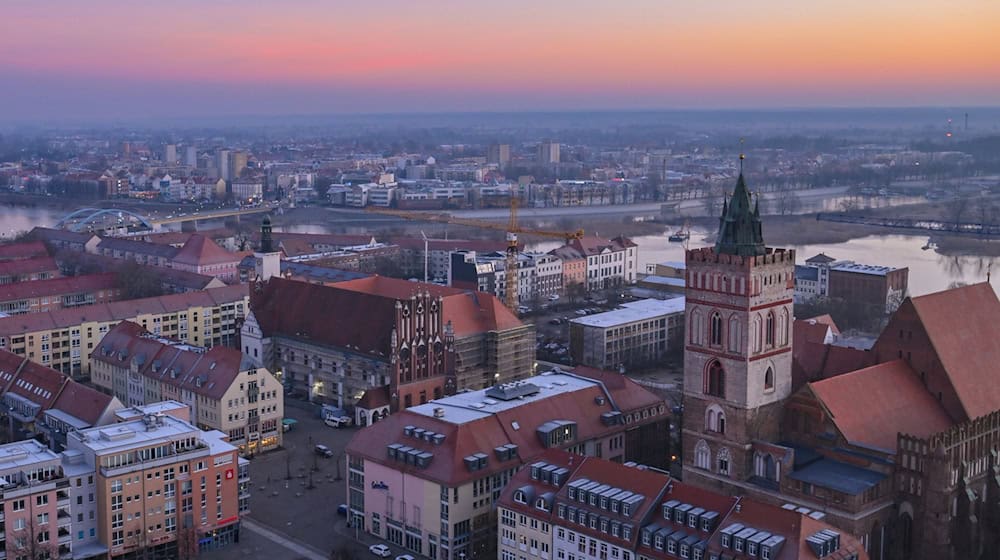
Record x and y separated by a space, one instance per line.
303 550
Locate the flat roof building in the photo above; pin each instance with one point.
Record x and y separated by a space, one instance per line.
466 447
638 333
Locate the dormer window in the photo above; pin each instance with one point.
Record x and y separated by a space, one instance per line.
765 553
726 541
540 504
520 498
561 511
752 548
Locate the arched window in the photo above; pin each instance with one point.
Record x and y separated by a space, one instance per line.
769 379
716 329
724 461
715 419
783 327
716 380
702 455
734 334
769 330
696 327
755 333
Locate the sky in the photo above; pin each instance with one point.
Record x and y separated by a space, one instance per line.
111 59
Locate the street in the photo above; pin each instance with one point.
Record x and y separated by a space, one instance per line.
293 508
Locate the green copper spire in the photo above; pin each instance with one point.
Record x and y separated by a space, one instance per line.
739 226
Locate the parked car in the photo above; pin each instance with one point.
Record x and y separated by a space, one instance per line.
342 510
555 321
405 557
337 421
323 450
380 550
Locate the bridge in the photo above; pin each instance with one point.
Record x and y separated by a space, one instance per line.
923 224
103 219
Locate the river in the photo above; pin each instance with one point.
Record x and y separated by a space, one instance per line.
929 271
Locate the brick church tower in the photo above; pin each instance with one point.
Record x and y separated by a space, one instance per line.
738 352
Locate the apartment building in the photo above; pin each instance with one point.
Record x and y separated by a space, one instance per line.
162 486
414 253
224 389
569 507
428 478
36 517
26 270
41 296
64 339
878 288
609 262
40 402
639 333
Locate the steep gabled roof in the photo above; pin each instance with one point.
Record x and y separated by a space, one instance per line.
872 406
958 324
202 251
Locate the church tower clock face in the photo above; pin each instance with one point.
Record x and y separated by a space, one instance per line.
737 356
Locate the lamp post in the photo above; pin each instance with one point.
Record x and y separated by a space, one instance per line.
338 478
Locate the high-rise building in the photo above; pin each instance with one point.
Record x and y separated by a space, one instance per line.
499 154
222 164
237 163
548 152
170 153
161 485
191 156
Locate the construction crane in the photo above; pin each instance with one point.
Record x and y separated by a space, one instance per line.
511 231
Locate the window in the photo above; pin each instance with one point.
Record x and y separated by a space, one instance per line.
734 334
18 505
702 455
715 419
769 330
716 330
723 461
716 380
769 379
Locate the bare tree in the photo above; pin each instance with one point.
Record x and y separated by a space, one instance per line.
957 208
187 539
787 202
35 541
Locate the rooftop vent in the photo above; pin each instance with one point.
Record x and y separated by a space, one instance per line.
438 412
599 401
511 391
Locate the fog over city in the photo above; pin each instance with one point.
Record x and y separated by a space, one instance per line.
456 280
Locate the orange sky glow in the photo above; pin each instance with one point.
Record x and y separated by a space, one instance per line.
429 55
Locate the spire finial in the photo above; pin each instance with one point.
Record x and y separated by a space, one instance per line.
743 156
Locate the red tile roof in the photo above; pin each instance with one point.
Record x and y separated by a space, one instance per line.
968 350
872 406
202 251
170 363
58 286
628 394
330 314
373 398
83 402
116 311
31 265
26 250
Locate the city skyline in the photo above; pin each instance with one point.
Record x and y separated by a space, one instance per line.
123 60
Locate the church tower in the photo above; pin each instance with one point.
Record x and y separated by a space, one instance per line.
738 348
267 260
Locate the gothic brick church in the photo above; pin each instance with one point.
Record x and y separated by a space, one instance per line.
901 450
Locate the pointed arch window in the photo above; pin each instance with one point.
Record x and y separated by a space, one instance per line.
769 379
769 330
724 461
715 419
702 455
734 334
695 327
716 330
755 333
716 380
783 327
